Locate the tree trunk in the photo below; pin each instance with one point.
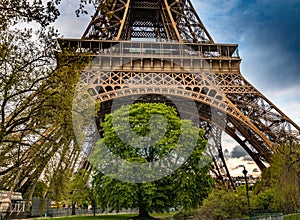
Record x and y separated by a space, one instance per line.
30 197
143 212
73 209
94 210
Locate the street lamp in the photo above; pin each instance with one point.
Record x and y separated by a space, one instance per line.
247 190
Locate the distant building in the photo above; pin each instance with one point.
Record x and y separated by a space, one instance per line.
13 206
14 197
240 180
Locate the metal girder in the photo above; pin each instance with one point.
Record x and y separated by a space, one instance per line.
165 20
121 84
194 85
209 74
108 20
187 22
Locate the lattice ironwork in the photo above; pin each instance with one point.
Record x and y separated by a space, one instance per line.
123 19
184 62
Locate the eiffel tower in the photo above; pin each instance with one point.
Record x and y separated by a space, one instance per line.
164 44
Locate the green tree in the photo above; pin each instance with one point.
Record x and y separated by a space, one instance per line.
286 179
36 105
263 200
280 183
184 188
224 204
39 192
78 190
25 64
36 93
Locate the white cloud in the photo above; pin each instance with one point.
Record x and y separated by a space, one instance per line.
232 163
68 24
235 166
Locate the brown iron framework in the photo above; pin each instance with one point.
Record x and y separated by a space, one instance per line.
160 19
179 59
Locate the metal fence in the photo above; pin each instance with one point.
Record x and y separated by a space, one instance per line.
269 216
78 211
294 215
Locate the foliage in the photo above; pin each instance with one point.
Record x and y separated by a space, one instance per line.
278 189
224 204
78 188
36 93
286 171
263 200
106 217
282 179
185 188
16 11
292 217
36 101
39 192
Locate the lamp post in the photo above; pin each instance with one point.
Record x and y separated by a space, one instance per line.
247 190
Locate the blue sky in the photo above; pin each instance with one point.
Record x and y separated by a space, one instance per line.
268 34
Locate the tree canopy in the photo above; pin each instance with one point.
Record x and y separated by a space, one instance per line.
15 11
184 188
36 93
224 203
279 187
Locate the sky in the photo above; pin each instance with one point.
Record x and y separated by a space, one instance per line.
268 34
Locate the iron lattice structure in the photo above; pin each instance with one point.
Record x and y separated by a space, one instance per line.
179 59
163 20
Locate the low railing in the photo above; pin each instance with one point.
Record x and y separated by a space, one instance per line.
81 211
269 216
18 207
274 215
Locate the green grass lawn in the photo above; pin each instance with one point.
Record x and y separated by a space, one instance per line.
106 217
110 217
292 217
163 215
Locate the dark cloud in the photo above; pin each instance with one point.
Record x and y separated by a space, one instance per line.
255 170
271 32
267 33
238 152
226 154
239 166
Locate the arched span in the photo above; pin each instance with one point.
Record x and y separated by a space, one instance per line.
210 110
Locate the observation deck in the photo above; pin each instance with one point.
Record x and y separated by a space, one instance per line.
157 56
